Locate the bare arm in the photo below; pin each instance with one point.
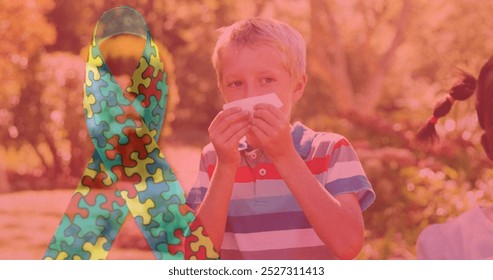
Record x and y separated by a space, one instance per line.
214 209
225 132
338 220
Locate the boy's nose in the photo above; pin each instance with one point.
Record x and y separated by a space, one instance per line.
252 91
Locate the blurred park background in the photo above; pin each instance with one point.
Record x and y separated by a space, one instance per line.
376 69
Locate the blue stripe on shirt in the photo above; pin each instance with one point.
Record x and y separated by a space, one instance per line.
263 205
355 184
267 222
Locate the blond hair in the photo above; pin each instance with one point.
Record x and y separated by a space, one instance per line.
272 32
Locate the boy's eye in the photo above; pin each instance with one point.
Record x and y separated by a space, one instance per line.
266 80
235 84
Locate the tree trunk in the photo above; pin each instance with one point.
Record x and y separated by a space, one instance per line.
368 100
4 180
327 56
57 170
328 59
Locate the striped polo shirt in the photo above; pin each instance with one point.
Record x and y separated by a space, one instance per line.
264 219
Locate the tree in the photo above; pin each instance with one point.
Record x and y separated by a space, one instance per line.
19 54
355 67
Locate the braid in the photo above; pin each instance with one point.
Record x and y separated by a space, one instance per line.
460 91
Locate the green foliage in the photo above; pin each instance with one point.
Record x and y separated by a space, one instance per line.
41 113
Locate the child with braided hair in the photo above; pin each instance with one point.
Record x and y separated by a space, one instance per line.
470 235
460 91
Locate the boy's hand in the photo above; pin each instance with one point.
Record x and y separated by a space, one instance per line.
273 131
225 132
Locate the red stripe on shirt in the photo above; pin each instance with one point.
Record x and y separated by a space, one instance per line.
341 143
246 174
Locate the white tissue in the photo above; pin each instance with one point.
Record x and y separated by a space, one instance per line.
248 103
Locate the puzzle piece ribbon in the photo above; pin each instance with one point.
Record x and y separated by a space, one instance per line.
127 173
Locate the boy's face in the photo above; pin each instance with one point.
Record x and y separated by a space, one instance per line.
258 70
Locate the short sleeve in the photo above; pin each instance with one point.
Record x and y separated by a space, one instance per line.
346 175
199 188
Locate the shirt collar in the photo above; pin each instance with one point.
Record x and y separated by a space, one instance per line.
302 140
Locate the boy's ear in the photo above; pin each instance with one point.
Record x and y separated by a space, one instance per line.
299 87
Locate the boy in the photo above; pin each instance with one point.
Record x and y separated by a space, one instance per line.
267 189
